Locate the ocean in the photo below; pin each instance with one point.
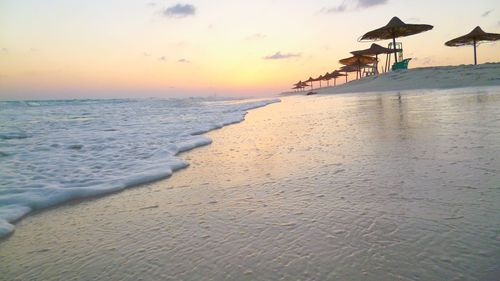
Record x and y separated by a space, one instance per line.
58 150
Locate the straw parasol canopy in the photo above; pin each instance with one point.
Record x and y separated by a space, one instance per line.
300 85
335 74
327 77
474 38
320 78
358 61
374 50
310 80
348 68
394 29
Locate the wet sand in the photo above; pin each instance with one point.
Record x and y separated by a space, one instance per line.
350 187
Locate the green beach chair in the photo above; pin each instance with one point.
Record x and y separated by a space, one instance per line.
401 65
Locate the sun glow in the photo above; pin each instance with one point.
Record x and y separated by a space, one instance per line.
224 47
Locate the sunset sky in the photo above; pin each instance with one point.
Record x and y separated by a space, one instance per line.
134 48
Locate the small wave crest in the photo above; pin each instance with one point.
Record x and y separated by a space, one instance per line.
126 143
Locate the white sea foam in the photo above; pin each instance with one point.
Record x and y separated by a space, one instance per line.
55 151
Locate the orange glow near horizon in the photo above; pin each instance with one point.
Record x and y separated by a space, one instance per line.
224 48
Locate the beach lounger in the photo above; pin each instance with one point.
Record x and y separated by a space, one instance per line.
371 70
401 65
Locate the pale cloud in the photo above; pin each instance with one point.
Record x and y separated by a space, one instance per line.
487 13
426 61
280 56
256 36
414 20
347 5
180 11
370 3
183 61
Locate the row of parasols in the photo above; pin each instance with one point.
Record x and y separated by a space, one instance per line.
396 28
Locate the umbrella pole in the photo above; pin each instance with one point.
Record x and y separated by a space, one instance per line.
475 52
394 46
359 68
346 76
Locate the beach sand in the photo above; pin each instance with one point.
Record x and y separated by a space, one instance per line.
342 187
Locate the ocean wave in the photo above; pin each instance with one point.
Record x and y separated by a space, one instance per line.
58 153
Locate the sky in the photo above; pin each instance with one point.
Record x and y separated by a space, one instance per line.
54 49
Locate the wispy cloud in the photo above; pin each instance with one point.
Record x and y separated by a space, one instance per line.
426 61
347 5
256 36
487 13
151 4
337 9
5 50
180 11
162 58
370 3
280 56
183 61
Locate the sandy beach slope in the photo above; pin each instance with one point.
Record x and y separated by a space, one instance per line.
438 77
392 186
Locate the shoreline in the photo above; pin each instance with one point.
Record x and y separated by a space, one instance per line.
328 187
14 213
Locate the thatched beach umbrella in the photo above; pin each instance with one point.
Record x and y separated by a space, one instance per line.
320 78
358 61
474 38
310 80
327 77
348 68
298 86
375 50
335 74
394 29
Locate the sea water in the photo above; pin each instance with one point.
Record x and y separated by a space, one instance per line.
59 150
363 186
